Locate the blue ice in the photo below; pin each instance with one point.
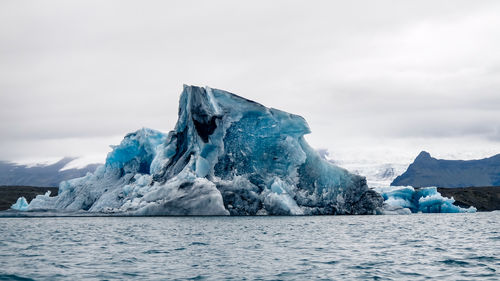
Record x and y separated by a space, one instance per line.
20 205
420 200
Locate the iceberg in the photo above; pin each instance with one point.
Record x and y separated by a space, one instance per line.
227 155
406 199
20 205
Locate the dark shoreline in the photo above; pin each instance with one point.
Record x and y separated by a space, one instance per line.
10 194
485 199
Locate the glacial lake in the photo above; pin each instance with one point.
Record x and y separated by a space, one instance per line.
417 247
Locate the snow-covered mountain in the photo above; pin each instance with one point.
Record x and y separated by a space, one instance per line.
377 174
43 174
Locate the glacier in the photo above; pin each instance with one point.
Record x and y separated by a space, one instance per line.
406 200
227 155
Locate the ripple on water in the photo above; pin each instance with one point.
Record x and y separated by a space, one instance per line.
412 274
329 262
155 251
484 258
197 277
455 262
198 244
14 277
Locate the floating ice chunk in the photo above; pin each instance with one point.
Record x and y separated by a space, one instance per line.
421 200
20 205
279 202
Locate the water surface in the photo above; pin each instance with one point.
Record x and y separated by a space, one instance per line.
417 247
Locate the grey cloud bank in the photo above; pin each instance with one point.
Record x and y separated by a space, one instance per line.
385 78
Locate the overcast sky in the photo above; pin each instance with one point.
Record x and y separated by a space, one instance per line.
374 79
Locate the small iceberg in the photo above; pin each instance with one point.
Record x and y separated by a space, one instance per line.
20 205
406 199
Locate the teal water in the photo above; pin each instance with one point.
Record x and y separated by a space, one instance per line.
417 247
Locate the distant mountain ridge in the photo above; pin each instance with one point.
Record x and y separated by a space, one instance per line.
377 173
428 171
41 175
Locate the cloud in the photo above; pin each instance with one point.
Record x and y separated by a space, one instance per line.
385 70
